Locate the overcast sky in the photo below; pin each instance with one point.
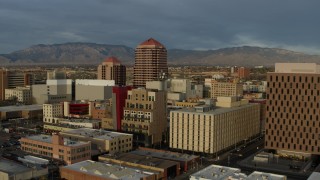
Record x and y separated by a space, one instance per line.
181 24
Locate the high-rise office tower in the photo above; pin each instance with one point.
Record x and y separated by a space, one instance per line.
150 64
11 79
112 69
293 107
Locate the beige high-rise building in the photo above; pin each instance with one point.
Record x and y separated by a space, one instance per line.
225 89
150 63
145 116
112 69
293 107
207 130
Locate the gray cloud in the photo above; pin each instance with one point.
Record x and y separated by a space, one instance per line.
184 24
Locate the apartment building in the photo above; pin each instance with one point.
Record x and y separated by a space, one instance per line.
102 141
52 112
225 89
210 130
20 94
293 106
145 116
57 147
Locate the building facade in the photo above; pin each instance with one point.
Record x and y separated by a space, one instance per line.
20 94
225 89
54 91
102 141
243 72
112 69
150 62
292 119
102 89
52 112
57 147
11 79
207 130
145 116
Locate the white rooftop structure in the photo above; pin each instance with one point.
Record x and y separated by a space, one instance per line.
33 160
215 172
109 171
297 68
265 176
48 139
94 133
314 176
95 82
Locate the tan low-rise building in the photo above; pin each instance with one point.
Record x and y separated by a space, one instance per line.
20 94
69 124
101 171
102 141
57 147
21 111
226 89
211 130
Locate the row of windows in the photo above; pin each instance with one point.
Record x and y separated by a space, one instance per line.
281 78
295 147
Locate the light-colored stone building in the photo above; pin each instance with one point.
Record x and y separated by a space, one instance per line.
20 94
145 116
102 141
52 112
207 130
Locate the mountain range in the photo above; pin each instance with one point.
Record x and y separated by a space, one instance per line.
91 53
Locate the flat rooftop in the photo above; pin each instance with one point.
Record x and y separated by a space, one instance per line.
74 120
143 160
164 154
94 133
48 139
21 107
314 176
263 176
216 111
216 172
111 171
12 167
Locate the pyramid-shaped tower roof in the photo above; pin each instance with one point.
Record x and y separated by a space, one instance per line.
113 60
151 43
